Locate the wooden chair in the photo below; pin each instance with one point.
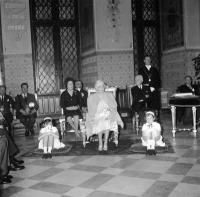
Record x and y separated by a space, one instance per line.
123 98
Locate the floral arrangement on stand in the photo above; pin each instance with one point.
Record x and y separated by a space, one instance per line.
113 16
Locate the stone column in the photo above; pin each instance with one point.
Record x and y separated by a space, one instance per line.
111 57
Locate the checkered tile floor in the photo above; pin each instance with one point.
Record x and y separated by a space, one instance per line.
166 175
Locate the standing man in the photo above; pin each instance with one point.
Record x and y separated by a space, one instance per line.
151 78
6 106
26 109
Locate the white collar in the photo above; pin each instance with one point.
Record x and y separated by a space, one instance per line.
148 67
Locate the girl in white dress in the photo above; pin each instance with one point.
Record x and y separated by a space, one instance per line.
49 138
151 132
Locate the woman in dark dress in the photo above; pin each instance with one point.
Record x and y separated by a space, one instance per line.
70 102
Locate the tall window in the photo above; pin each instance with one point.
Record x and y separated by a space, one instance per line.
55 42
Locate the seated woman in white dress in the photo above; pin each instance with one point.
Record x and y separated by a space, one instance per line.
102 115
151 132
49 138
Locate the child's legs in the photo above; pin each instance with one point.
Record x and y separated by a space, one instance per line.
45 143
50 143
156 135
146 135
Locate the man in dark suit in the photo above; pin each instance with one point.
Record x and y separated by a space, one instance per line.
26 109
140 95
3 157
151 78
7 105
6 108
84 95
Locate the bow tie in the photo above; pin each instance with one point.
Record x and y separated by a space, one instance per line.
150 125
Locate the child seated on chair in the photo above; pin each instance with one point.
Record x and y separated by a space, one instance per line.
151 133
49 138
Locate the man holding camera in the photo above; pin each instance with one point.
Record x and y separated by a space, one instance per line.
26 109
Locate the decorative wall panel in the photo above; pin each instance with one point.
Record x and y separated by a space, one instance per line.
113 24
16 26
116 68
18 69
89 71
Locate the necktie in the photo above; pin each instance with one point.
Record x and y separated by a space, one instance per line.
25 98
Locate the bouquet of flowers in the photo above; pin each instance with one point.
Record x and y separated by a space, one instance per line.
30 107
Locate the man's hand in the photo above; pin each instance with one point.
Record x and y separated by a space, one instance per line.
33 111
23 112
72 108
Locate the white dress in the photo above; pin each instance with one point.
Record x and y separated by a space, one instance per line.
53 131
151 135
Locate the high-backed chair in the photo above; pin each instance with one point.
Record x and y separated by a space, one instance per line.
123 98
112 90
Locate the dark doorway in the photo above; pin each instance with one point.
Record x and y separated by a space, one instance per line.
146 32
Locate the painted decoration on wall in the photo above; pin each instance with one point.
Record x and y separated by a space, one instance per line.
87 25
16 27
172 24
113 19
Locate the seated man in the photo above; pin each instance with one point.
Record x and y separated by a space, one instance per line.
3 154
7 104
26 109
139 98
102 116
185 114
151 133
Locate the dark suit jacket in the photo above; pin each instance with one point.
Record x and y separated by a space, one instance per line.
7 104
22 104
138 95
151 77
84 96
185 89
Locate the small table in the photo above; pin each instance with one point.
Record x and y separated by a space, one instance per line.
191 101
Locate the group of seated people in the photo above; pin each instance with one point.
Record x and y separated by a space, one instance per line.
26 107
101 113
8 147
